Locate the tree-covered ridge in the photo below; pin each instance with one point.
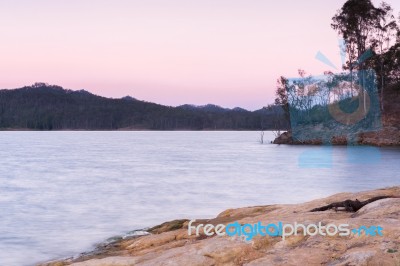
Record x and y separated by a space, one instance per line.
50 107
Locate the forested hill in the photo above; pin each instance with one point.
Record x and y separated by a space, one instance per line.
45 107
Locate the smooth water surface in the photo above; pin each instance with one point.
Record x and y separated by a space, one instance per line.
62 192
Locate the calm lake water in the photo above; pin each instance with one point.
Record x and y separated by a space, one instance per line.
62 192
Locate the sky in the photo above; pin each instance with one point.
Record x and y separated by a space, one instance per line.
225 52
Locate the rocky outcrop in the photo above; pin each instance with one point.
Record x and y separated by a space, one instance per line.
284 138
170 244
388 136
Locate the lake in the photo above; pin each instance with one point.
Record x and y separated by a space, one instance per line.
62 192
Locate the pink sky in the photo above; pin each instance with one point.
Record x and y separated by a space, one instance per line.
226 52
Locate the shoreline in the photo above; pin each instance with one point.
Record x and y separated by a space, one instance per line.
170 241
388 137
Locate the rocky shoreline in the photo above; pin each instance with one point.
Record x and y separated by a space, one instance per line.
389 136
170 244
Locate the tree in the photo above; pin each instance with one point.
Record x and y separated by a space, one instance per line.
385 35
355 21
282 96
364 26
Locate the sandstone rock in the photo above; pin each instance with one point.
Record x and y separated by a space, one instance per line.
114 261
177 248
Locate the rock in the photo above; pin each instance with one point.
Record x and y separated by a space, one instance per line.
339 140
356 258
168 226
175 247
388 136
388 207
114 261
284 138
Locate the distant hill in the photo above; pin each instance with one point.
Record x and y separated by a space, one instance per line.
212 108
50 107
